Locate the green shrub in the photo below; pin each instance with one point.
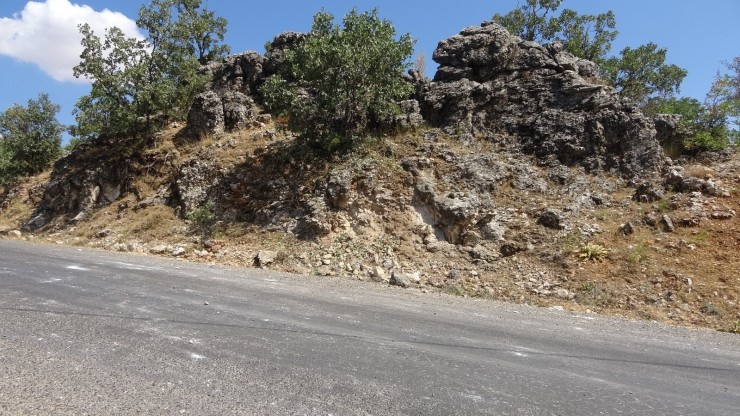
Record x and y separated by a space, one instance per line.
592 251
203 221
341 81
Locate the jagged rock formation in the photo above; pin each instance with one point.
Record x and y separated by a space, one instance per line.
229 103
541 98
86 178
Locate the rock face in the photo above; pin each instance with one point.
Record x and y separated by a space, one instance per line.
83 180
227 105
541 98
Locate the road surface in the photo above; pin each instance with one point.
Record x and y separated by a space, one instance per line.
91 332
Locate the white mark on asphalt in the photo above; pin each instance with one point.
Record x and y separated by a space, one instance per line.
197 356
52 281
520 354
577 328
473 397
75 267
134 266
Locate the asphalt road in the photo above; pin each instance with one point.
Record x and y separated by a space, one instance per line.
90 332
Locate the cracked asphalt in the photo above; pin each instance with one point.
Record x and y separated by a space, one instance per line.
92 332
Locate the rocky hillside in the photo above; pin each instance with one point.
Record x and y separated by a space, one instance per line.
516 175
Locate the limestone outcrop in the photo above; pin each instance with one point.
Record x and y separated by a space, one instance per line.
540 98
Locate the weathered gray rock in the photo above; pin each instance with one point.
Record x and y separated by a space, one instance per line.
667 224
206 115
241 72
648 192
551 219
160 249
217 112
195 180
283 42
399 278
626 229
377 274
265 258
83 180
410 116
670 132
495 85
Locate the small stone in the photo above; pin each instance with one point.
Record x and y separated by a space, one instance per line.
179 251
550 219
667 223
160 249
377 274
400 278
103 233
626 228
265 258
649 220
565 294
15 233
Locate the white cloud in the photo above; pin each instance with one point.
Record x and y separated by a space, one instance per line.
46 34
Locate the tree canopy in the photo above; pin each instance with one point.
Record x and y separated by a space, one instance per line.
136 81
586 36
642 73
30 138
342 80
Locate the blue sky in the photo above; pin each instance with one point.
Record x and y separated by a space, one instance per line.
39 42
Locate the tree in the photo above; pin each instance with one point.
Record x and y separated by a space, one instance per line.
30 138
202 31
585 36
642 73
135 81
342 80
698 130
531 21
723 99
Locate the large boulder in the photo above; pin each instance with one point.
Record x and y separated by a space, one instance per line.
540 98
227 104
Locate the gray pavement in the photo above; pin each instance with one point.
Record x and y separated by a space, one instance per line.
92 332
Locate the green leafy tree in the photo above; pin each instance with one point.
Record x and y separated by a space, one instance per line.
585 36
135 82
642 73
30 138
342 80
201 31
532 21
723 99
